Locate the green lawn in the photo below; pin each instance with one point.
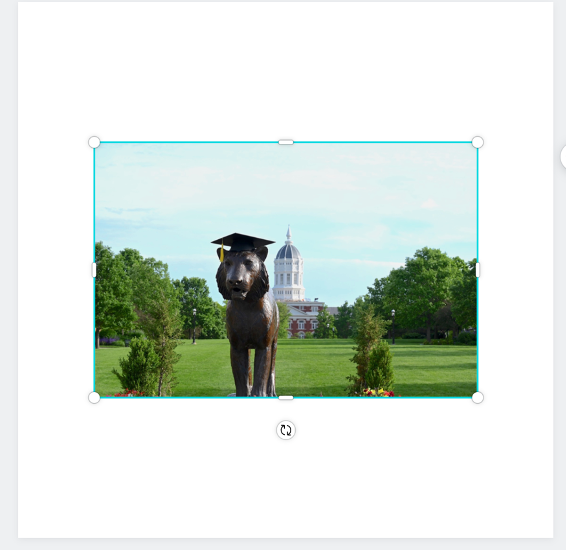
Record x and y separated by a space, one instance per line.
309 367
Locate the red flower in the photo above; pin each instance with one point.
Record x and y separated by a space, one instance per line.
128 393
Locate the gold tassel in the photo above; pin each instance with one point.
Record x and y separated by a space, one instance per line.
222 251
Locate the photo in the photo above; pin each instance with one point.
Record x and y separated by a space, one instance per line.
312 269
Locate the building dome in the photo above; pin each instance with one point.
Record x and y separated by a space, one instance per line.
289 272
288 251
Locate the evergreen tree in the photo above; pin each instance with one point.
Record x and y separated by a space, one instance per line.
379 373
372 358
159 312
361 306
140 368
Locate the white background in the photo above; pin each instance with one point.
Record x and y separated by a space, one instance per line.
356 468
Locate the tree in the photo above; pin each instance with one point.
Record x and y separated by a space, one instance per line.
376 294
370 330
130 258
376 297
113 292
344 320
325 325
420 288
444 320
215 324
194 294
284 316
464 296
159 315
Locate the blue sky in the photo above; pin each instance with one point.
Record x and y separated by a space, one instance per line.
355 210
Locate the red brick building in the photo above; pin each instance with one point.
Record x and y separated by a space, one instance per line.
303 317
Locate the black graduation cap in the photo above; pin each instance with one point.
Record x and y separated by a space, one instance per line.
239 243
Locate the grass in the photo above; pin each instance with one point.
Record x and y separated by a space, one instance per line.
309 367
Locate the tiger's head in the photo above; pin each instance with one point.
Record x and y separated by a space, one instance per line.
243 275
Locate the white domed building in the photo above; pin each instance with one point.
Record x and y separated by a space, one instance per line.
289 288
289 273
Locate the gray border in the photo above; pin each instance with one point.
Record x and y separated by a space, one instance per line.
8 331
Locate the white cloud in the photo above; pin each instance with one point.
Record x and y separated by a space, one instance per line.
359 237
429 204
321 179
192 257
355 261
371 159
124 214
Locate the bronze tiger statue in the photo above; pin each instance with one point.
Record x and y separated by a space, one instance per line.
252 315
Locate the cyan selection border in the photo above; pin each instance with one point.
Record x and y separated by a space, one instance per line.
275 142
93 261
477 260
276 398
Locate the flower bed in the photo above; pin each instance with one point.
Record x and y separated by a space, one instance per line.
129 393
368 392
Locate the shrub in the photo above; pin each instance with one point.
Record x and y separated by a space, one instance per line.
380 370
440 342
131 334
412 336
106 333
109 336
467 338
309 335
140 368
118 343
107 341
111 342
